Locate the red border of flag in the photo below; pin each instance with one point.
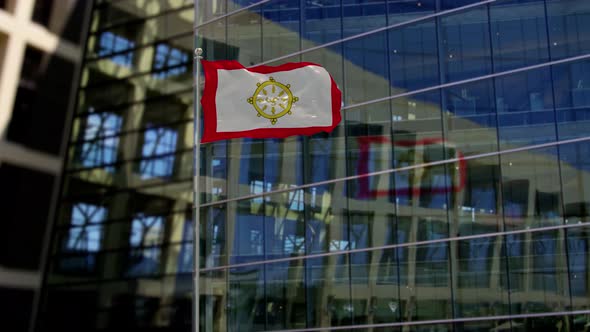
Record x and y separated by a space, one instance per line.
210 132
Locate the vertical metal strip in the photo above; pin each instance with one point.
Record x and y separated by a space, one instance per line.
196 190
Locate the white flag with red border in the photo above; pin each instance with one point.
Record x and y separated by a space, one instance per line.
268 101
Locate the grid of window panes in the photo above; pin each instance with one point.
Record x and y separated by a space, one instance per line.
121 249
485 242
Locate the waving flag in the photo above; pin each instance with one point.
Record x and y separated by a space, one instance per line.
268 102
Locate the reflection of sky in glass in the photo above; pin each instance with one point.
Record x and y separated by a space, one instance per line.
146 230
146 233
111 43
296 199
158 141
86 230
166 57
185 256
96 150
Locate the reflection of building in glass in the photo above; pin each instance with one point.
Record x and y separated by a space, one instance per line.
467 234
40 59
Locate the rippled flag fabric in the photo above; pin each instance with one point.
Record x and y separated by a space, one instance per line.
268 101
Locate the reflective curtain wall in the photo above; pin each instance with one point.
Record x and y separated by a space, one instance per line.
121 248
473 113
482 228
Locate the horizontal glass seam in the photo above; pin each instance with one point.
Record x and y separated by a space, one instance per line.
471 80
396 246
400 169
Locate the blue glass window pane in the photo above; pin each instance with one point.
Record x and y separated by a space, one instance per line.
413 57
519 34
84 237
403 10
169 61
185 256
86 231
110 43
475 260
572 97
158 148
101 144
465 46
569 28
577 245
146 235
525 108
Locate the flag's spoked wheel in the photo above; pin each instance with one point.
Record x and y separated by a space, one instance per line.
272 100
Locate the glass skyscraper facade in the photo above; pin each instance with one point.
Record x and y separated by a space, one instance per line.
453 196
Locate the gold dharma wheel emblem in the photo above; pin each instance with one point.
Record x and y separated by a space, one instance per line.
272 100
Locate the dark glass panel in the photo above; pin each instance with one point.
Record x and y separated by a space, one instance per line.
578 264
519 34
478 198
531 189
571 87
575 164
478 271
569 25
70 308
41 103
25 205
465 50
413 57
16 306
452 4
404 10
525 109
42 11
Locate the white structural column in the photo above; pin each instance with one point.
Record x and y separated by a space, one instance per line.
14 53
19 31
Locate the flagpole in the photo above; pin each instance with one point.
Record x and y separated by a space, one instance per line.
196 192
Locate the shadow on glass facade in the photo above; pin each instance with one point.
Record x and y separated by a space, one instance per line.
468 116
